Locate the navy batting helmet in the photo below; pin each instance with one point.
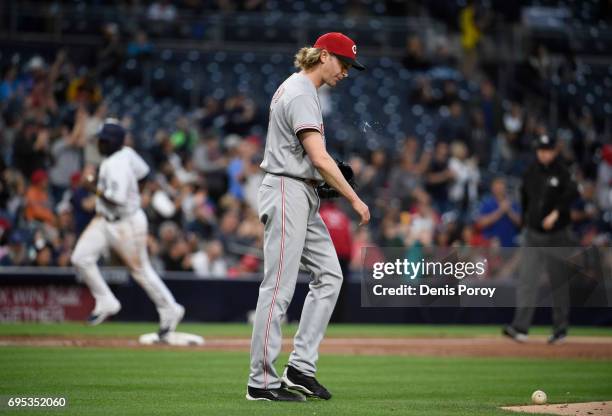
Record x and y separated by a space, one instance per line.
110 137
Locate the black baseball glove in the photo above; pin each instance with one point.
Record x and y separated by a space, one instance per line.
325 191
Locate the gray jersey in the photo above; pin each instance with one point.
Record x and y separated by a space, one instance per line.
294 107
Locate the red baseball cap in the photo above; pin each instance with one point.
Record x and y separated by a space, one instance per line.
340 45
38 176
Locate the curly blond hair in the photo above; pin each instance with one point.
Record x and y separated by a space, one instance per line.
307 58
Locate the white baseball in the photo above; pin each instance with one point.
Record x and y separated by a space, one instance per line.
538 397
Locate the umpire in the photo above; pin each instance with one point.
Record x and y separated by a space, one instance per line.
547 192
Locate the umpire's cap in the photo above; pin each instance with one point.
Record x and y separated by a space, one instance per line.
545 142
111 136
342 46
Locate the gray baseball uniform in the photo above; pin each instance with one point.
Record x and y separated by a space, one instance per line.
294 233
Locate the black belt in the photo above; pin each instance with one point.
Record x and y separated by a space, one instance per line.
312 182
111 219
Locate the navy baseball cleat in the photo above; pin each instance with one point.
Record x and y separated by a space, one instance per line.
514 334
558 337
294 380
273 395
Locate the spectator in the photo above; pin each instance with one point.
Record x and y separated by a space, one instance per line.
480 141
339 226
17 253
422 92
491 106
248 264
10 86
210 114
66 237
208 156
162 15
204 224
5 193
471 237
439 177
414 56
162 11
510 141
37 201
174 247
464 189
454 127
92 124
235 166
499 216
184 137
365 252
228 232
449 96
209 261
240 112
406 176
422 221
140 47
16 184
372 178
82 202
604 179
84 92
110 56
31 148
253 178
67 155
250 230
44 256
585 213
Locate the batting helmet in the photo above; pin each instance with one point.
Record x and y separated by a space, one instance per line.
110 137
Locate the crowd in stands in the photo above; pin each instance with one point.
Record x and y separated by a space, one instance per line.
459 189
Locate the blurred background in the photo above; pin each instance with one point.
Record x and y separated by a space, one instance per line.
438 130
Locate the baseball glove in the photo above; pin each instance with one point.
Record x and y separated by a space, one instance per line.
325 191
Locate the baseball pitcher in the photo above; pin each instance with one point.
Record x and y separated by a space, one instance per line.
296 162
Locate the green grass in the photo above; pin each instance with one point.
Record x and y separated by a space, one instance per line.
117 381
169 382
124 329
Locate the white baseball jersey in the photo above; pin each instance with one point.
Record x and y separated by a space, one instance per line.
123 228
118 181
294 107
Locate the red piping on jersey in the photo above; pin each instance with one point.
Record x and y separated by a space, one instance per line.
277 285
307 126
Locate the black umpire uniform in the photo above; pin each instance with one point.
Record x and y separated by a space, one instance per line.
547 192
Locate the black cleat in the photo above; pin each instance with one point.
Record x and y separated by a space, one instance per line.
273 395
294 380
558 337
162 335
514 334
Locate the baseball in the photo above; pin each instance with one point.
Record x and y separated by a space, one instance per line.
538 397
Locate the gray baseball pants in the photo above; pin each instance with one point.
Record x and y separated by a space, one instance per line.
294 234
544 252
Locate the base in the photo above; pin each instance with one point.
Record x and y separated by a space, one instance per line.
179 339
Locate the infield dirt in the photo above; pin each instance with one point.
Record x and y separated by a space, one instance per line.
576 347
